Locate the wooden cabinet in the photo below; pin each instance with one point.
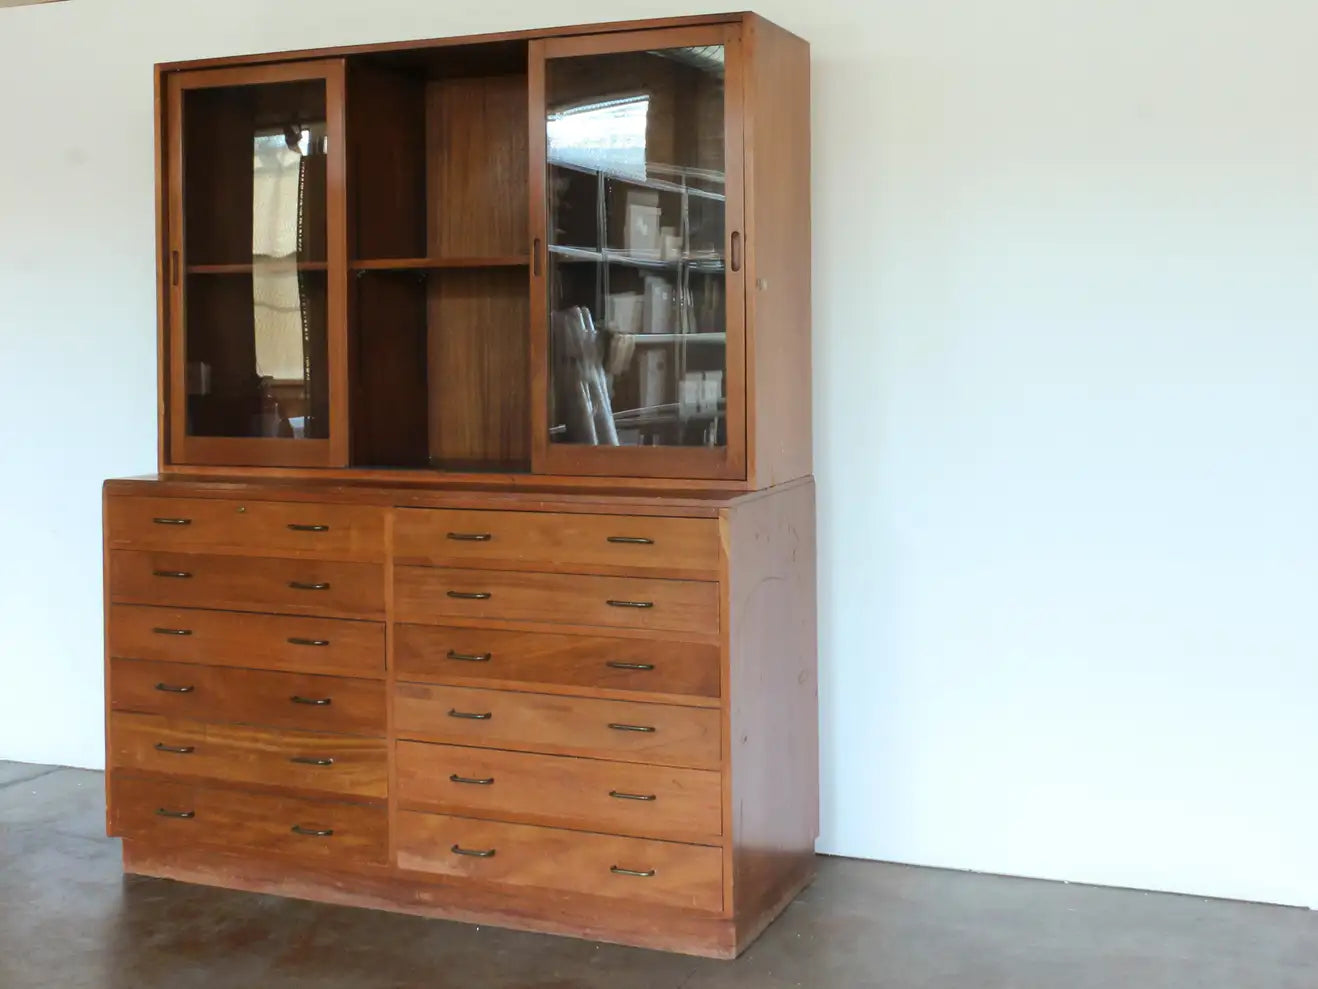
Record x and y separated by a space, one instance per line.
477 579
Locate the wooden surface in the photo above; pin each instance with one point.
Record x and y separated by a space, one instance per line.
657 734
561 791
688 876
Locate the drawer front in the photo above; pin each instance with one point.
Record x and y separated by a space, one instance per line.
613 797
246 528
556 542
477 655
225 638
235 583
432 595
621 730
254 697
633 869
306 761
179 813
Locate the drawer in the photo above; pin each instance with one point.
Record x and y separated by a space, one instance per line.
612 797
255 697
226 638
504 719
477 655
246 528
632 869
556 541
434 594
236 583
180 813
307 761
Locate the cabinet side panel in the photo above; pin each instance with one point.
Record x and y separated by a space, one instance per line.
777 142
774 702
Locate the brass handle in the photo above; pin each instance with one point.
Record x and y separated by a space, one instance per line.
172 631
455 778
632 540
617 665
175 574
176 749
470 657
647 729
470 716
308 528
307 760
296 641
632 796
170 688
471 537
736 250
180 814
470 595
535 257
164 521
298 585
312 832
630 604
487 853
619 871
173 268
312 701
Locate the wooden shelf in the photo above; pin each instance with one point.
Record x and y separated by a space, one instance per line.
244 269
413 264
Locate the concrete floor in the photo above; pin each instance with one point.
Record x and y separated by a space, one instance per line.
69 919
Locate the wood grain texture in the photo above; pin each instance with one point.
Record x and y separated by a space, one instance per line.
688 876
262 642
386 162
433 595
223 818
328 589
255 756
623 731
246 528
252 697
390 386
556 542
562 792
536 660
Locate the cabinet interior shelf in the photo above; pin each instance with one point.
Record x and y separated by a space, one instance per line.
413 264
249 267
651 182
694 262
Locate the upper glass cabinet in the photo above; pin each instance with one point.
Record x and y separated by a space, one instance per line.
254 154
640 254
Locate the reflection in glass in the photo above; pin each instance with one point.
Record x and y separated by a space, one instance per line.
636 267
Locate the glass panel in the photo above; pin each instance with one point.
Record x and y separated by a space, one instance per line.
637 305
255 241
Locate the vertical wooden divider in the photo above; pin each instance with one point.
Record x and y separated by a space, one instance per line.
389 678
336 218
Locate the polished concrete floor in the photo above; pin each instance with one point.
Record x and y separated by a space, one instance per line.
69 919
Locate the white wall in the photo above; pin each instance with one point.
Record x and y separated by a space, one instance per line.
1066 352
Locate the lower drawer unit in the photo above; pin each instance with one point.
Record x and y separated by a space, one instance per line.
630 869
170 813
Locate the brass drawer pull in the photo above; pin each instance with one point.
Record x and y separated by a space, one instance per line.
308 528
470 657
619 871
470 595
632 796
171 688
183 815
312 701
172 631
296 641
455 778
630 604
307 760
632 540
455 713
471 537
162 521
617 665
174 574
647 729
298 585
176 749
487 853
312 832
